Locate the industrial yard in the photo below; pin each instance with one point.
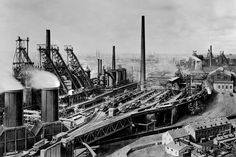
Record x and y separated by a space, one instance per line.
117 79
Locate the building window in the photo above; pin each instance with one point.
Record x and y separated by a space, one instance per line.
230 87
218 86
226 87
222 86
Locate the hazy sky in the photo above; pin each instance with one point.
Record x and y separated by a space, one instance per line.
172 26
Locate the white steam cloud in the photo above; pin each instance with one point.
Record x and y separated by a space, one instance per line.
7 80
39 79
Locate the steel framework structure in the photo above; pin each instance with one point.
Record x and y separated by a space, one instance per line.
21 58
76 68
100 132
47 64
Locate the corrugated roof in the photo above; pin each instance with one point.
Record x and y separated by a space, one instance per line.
178 133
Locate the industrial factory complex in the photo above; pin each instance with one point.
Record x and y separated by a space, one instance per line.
76 114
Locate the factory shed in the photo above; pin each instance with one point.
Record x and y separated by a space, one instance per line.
223 80
178 149
174 135
207 129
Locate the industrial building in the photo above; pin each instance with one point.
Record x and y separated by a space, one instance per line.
191 140
201 131
175 136
83 112
178 149
222 80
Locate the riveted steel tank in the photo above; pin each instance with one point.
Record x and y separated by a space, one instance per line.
49 108
13 108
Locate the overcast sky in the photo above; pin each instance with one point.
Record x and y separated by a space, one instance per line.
172 26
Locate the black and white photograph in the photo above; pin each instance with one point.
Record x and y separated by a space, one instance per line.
118 78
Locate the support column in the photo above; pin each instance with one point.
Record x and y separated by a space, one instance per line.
67 150
164 118
173 115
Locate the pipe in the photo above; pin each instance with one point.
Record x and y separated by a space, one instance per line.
113 57
142 63
48 42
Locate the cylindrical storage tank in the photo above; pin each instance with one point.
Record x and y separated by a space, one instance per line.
49 99
36 98
27 97
124 74
110 81
13 110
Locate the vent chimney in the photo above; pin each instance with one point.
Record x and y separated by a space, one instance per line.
49 99
210 55
100 67
48 42
142 62
13 111
113 57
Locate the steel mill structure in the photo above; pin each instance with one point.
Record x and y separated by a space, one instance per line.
84 112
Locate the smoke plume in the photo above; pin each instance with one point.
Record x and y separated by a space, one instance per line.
166 65
39 79
7 80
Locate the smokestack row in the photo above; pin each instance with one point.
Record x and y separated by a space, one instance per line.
142 62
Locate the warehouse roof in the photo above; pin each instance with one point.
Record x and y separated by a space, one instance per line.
209 123
178 133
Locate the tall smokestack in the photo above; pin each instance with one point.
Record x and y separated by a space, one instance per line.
113 57
13 111
100 67
49 99
48 42
27 45
142 64
210 55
